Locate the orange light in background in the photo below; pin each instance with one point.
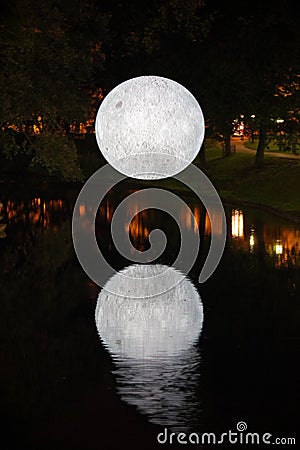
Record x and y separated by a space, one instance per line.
37 211
109 212
216 218
237 223
138 231
188 220
102 211
12 210
12 127
185 219
73 127
56 204
197 218
81 210
207 228
86 126
37 128
252 239
98 93
285 244
278 247
34 217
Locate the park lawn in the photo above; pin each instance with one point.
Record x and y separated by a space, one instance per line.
236 179
277 186
271 147
213 150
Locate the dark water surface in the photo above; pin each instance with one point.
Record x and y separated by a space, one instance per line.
62 388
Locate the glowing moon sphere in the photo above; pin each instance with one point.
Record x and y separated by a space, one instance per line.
133 322
149 127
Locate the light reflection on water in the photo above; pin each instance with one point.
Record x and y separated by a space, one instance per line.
163 389
276 237
162 384
279 239
152 342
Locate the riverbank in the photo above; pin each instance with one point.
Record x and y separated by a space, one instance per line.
275 188
273 147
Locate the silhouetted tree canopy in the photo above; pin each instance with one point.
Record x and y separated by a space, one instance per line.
235 57
49 54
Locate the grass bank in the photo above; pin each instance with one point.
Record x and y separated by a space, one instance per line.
276 186
273 146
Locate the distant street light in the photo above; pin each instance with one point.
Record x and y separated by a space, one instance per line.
278 248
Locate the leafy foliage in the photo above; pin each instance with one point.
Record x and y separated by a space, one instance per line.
236 58
49 55
55 151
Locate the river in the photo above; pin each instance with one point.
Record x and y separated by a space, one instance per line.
67 384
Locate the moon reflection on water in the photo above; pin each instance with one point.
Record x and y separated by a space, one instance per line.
152 340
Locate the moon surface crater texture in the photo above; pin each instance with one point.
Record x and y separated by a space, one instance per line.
149 127
134 322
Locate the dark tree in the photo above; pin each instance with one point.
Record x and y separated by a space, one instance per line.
49 54
258 42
